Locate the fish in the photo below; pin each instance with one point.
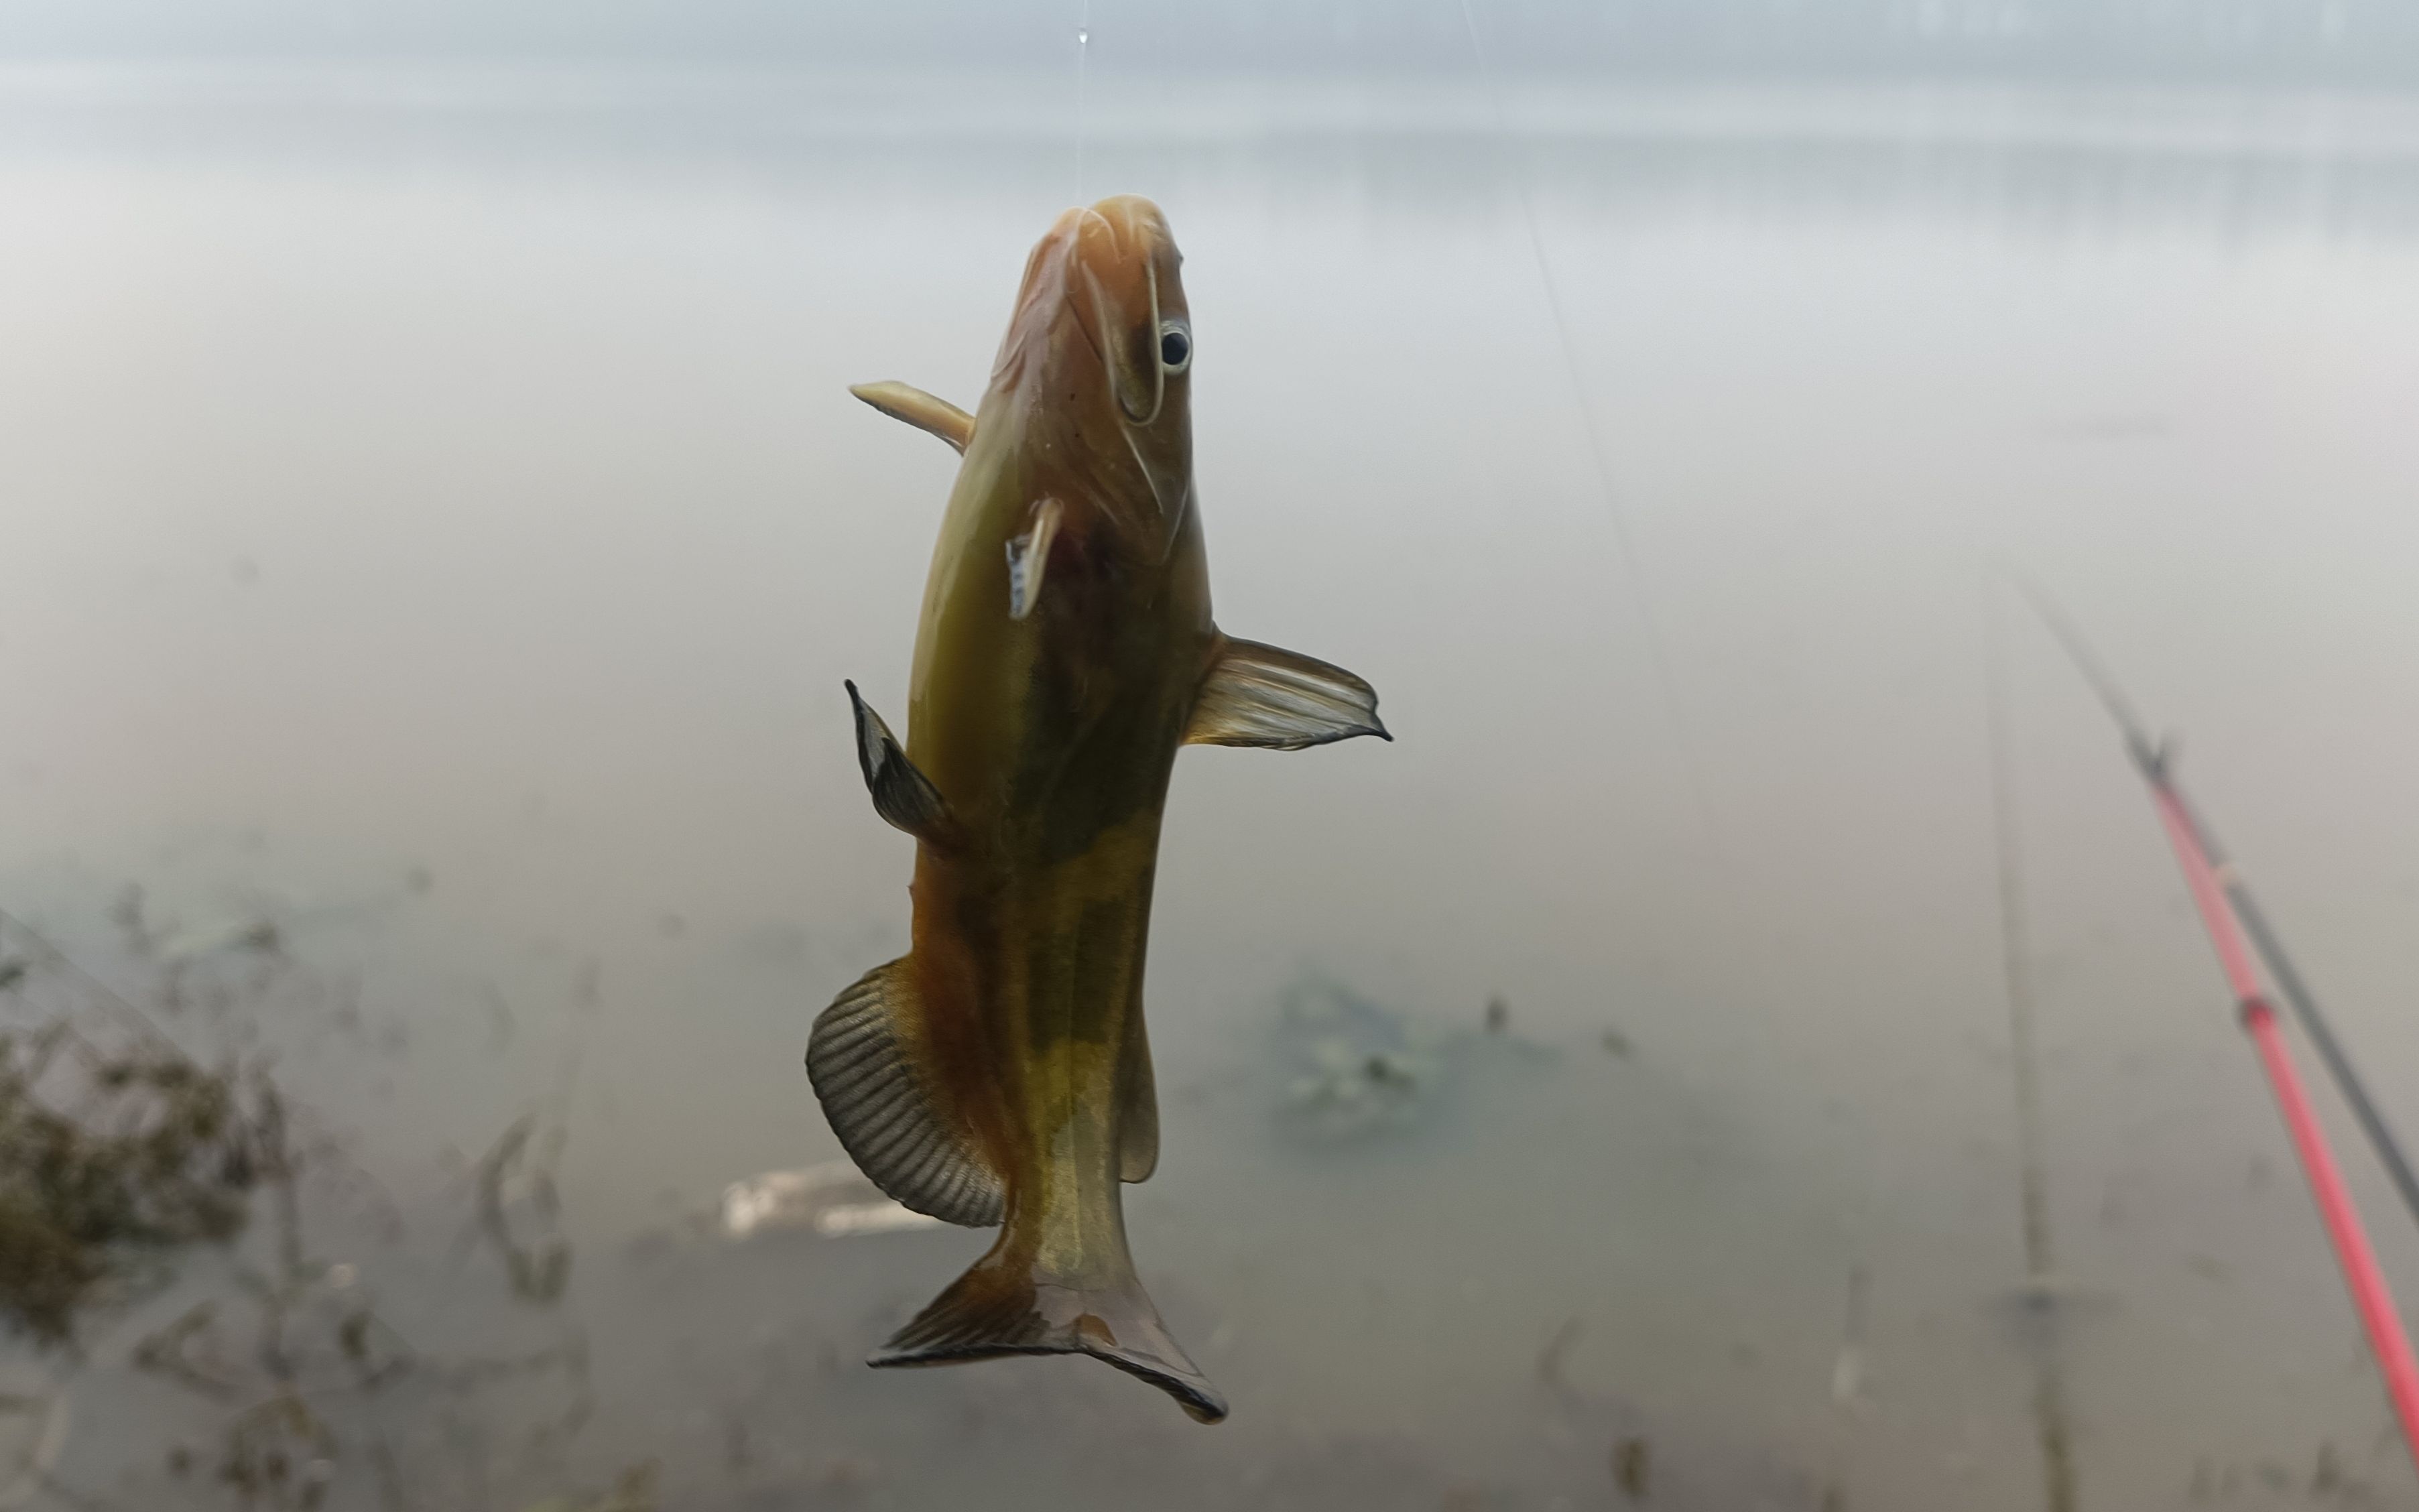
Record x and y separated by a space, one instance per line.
999 1073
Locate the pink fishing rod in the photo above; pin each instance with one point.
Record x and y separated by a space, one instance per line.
2379 1316
2216 892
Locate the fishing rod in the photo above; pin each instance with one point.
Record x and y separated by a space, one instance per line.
2155 762
2212 884
2050 1420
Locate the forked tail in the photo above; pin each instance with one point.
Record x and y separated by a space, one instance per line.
1009 1305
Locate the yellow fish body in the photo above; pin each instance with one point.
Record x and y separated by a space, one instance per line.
999 1072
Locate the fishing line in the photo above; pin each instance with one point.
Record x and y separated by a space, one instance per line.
1721 883
1083 69
2014 948
1625 542
2049 1386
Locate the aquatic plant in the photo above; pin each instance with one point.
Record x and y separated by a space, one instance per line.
153 1154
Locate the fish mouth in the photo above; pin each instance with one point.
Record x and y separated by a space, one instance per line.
1116 270
1101 264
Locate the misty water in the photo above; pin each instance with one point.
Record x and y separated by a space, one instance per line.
433 526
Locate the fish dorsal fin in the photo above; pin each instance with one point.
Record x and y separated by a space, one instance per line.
902 794
1277 700
864 1060
1138 1107
901 401
1029 557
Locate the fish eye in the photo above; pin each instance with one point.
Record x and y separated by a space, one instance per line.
1175 346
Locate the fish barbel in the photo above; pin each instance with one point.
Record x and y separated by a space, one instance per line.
998 1073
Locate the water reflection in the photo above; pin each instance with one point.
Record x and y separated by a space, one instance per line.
439 490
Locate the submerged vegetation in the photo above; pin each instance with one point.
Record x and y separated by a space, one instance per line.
211 1299
225 1308
1360 1069
156 1154
127 1161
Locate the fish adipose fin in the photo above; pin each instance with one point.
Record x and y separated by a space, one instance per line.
1001 1308
864 1067
901 401
1138 1111
1257 695
902 794
1029 557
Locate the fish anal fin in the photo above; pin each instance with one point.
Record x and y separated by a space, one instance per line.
864 1059
1279 700
902 795
1029 557
1002 1307
1138 1107
903 401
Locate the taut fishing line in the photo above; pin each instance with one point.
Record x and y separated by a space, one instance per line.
1625 545
1083 69
1626 542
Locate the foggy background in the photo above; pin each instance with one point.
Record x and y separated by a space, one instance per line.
433 531
2371 42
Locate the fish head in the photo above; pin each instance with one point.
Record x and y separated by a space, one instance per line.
1102 330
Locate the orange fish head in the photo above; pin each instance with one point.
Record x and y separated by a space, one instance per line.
1103 312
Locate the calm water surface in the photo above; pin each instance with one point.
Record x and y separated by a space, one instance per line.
434 522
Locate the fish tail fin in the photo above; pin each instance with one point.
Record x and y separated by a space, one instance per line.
1009 1304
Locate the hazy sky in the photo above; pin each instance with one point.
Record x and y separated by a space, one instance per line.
2366 41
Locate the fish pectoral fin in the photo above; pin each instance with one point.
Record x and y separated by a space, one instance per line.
902 794
1278 700
903 401
1137 1108
1029 557
863 1059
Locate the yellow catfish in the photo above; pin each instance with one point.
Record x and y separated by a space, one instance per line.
999 1072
